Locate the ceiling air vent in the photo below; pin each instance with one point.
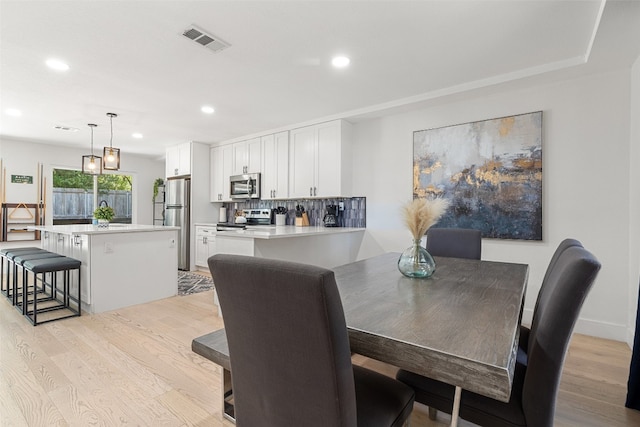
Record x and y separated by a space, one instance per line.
66 128
205 39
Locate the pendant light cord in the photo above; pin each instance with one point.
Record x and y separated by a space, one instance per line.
111 138
91 126
111 116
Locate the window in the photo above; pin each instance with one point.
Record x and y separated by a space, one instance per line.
73 196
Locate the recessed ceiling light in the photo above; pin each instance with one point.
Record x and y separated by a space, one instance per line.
137 135
57 64
340 61
207 109
13 112
66 128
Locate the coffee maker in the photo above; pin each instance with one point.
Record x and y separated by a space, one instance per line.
331 218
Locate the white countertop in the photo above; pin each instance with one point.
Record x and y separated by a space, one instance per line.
94 229
281 231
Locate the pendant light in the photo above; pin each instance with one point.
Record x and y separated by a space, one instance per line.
91 164
110 155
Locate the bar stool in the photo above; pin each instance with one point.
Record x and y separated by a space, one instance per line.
51 265
7 285
18 261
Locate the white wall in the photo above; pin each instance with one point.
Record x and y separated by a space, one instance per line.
586 173
22 158
634 199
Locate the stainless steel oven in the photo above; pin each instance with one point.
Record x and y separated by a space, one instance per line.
245 186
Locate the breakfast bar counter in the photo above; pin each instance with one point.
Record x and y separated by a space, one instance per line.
323 246
281 231
122 264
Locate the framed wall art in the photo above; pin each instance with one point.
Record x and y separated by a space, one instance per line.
490 171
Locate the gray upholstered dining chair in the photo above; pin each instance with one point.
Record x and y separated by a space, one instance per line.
454 242
289 350
537 376
524 330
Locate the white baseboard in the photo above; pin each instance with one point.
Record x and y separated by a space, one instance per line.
630 337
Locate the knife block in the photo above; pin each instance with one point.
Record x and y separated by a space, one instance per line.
302 221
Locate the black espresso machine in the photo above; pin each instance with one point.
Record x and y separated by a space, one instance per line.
331 217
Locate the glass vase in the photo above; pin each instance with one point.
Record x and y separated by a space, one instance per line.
416 261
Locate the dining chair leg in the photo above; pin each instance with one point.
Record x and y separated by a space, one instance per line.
433 413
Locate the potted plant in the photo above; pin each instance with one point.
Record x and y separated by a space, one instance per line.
157 183
104 214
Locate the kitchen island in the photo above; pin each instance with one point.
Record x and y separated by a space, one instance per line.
323 246
122 264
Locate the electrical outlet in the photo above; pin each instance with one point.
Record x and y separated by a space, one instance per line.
340 206
108 248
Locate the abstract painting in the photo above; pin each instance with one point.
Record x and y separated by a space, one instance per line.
490 171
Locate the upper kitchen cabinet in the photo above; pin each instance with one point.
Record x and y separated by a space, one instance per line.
247 156
318 158
275 166
221 166
178 160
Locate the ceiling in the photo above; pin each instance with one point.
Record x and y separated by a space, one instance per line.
130 58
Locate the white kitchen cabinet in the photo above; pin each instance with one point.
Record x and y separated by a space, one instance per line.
74 246
80 250
247 156
275 166
221 166
234 246
205 245
216 185
318 159
178 160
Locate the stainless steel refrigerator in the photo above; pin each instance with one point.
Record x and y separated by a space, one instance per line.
177 210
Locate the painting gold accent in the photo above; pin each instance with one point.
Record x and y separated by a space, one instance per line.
506 124
432 168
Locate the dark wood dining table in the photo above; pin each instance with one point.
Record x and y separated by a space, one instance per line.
459 326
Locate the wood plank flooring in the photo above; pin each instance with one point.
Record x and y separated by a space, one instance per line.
134 366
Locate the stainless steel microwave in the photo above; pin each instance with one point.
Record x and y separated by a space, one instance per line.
245 186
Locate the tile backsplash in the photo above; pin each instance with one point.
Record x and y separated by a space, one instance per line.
354 214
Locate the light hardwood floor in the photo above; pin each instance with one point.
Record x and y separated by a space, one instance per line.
134 366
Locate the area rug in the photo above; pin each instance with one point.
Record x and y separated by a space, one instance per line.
192 283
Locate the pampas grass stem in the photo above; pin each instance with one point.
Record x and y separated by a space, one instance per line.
420 214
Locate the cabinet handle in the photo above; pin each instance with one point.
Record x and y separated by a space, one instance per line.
315 193
175 171
77 240
310 191
204 239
